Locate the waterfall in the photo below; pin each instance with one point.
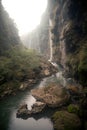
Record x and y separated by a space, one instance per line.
59 75
61 78
50 40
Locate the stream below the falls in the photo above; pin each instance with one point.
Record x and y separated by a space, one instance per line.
9 106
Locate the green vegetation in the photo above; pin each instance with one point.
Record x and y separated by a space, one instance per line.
17 63
66 121
73 108
77 63
17 66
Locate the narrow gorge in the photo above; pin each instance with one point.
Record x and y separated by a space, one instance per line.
43 73
62 36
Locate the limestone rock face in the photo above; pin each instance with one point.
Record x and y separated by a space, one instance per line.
23 110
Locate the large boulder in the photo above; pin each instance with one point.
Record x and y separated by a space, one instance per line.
64 120
53 95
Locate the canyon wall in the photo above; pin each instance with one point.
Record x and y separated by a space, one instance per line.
69 36
8 32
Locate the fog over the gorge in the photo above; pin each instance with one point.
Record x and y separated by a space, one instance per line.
25 13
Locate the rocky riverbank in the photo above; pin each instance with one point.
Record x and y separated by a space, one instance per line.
44 70
69 102
24 112
51 96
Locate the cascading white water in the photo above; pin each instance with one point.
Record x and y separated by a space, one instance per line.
59 75
50 40
61 78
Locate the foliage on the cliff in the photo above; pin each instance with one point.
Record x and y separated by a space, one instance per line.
17 66
78 63
16 62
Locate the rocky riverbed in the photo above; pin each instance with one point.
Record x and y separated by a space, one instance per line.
44 70
51 96
69 102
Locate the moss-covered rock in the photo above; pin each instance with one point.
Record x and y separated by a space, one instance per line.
72 108
64 120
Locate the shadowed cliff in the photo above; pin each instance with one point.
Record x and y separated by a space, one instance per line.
8 31
69 36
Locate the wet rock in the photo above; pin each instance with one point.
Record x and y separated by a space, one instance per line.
8 92
24 113
74 89
32 81
46 72
5 93
63 120
47 68
23 106
27 84
23 86
76 92
38 107
53 96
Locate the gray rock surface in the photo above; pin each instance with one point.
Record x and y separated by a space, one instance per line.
36 108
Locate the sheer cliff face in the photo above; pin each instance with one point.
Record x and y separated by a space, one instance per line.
69 35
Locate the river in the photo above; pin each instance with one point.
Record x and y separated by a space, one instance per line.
9 106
